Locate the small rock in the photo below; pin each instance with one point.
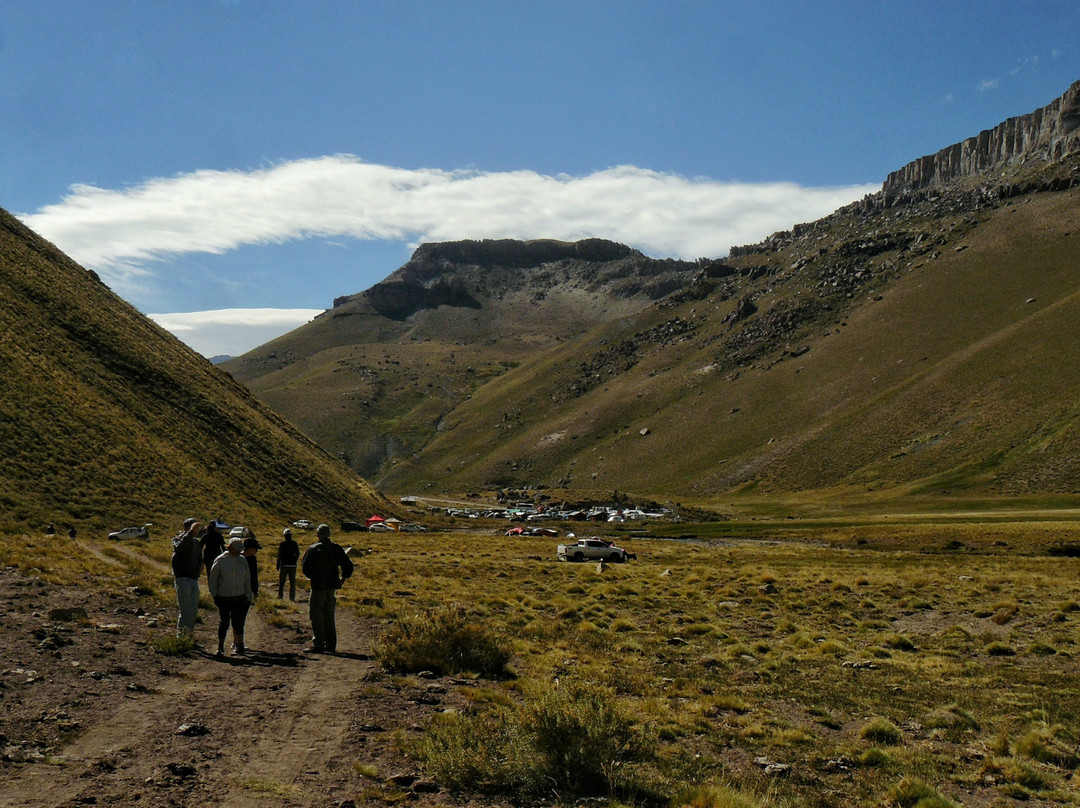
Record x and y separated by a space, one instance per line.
402 780
192 730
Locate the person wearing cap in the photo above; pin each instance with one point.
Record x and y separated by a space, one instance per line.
288 553
327 566
251 548
187 563
230 586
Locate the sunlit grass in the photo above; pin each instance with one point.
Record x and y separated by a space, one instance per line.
886 659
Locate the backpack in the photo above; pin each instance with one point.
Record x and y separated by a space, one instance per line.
186 556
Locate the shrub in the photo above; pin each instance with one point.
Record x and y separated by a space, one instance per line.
900 642
714 797
999 649
444 641
582 738
873 757
173 645
911 793
1045 748
883 731
571 741
954 720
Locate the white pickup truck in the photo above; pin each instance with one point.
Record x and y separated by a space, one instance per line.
592 549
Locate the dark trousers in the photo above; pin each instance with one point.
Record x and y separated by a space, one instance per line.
290 573
323 624
231 611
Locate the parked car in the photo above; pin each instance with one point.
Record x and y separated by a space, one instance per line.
132 533
550 532
379 527
241 532
412 527
304 524
592 548
350 526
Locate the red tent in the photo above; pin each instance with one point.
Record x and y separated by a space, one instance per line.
373 519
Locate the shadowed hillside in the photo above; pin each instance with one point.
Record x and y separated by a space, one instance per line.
106 419
918 342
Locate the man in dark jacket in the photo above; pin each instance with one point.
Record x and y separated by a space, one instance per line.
288 553
213 545
327 566
186 566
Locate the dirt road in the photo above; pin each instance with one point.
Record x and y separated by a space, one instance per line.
91 715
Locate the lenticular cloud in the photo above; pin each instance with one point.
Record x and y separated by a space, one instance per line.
119 231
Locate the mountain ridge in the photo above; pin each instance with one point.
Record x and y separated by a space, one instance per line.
700 392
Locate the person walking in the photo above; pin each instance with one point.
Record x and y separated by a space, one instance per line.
327 566
288 553
213 545
230 586
251 550
187 565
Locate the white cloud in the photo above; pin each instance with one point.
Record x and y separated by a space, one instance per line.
986 85
119 232
232 331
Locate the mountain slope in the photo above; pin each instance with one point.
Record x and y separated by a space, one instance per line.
372 379
919 342
106 419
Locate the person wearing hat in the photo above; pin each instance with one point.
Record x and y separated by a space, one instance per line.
230 586
327 566
288 553
187 563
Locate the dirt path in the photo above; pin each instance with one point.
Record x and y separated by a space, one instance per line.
277 727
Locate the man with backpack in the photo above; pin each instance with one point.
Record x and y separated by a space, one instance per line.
328 567
187 564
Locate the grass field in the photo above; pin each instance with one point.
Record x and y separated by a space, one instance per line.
898 664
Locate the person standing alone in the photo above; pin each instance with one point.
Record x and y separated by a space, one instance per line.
187 564
288 553
327 566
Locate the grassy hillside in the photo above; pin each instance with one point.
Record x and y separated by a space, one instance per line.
107 420
923 350
916 344
372 379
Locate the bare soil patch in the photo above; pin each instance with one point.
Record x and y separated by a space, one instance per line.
90 714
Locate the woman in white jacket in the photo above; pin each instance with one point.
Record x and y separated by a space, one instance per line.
230 586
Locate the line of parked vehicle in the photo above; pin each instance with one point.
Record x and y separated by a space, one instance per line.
530 513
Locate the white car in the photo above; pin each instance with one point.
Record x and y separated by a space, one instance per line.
379 527
592 548
132 533
241 532
304 524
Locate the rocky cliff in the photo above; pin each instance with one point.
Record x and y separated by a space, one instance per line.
1049 133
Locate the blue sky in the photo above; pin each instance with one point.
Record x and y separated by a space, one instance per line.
232 167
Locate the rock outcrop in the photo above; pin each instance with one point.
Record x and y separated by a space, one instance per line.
1048 134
